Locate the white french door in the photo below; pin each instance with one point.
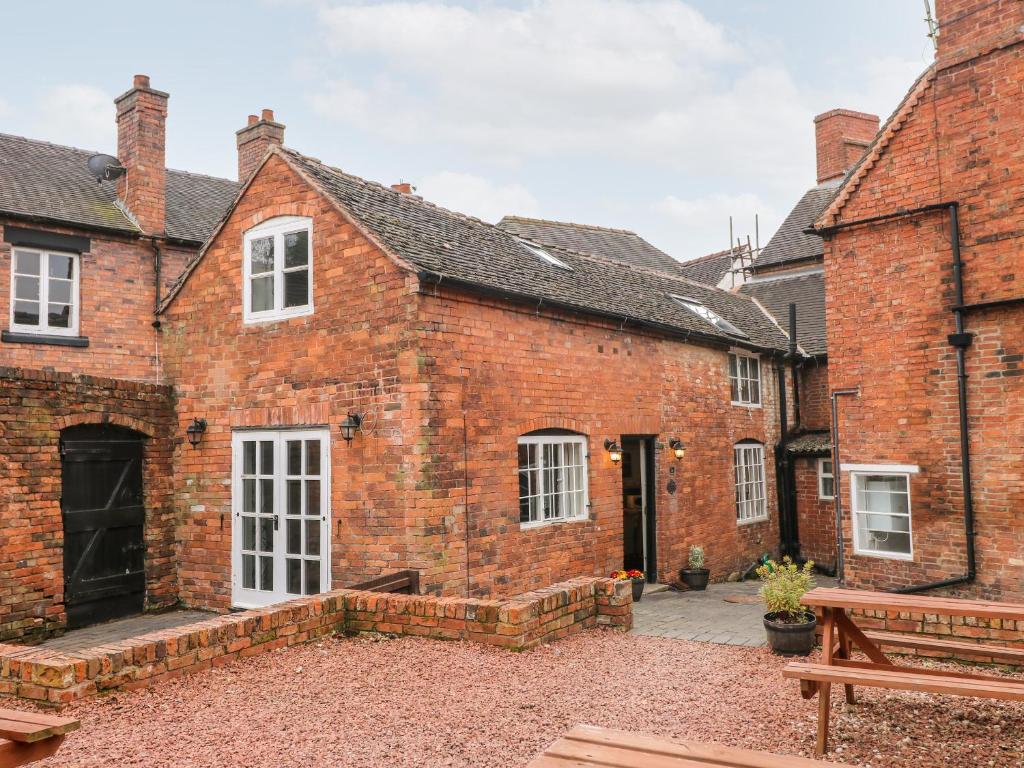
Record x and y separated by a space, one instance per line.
281 516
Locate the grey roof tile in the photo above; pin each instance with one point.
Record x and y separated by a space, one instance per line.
51 182
469 251
618 244
791 243
807 291
810 444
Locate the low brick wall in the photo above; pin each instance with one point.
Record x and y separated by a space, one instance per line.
517 623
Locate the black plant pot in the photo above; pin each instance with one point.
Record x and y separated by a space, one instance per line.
638 589
788 639
695 578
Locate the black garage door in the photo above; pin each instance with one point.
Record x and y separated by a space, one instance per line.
104 517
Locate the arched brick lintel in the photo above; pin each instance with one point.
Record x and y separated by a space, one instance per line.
106 417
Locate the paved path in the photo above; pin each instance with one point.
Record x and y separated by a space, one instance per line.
707 615
122 629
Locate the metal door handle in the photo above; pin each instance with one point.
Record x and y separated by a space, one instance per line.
275 522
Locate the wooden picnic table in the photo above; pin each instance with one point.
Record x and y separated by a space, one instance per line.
29 736
587 745
840 634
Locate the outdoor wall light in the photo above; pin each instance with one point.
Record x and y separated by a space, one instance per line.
614 451
349 426
677 447
195 431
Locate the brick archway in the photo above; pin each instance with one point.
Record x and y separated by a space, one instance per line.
116 419
552 422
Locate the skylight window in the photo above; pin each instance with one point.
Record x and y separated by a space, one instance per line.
543 255
708 315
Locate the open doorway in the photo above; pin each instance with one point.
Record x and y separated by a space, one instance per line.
639 530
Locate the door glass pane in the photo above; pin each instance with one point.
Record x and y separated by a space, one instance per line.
26 312
294 453
312 457
26 288
267 574
249 533
294 576
312 537
294 497
249 571
296 288
266 457
26 263
266 497
312 497
296 249
312 577
249 495
262 293
266 534
249 457
262 256
294 537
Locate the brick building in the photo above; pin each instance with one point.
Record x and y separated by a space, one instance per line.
923 269
370 382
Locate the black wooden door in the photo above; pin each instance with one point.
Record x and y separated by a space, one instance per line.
104 517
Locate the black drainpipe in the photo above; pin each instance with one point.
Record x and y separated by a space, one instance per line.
787 521
959 340
157 265
793 358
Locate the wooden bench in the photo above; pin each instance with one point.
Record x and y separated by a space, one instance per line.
840 635
586 745
29 736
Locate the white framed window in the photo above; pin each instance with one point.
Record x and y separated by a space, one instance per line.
826 480
881 513
708 315
552 478
278 269
281 513
745 379
751 499
44 292
542 254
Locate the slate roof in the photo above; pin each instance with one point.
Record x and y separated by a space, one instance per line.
791 243
807 291
618 244
709 269
446 246
50 182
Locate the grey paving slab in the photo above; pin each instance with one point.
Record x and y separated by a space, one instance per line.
706 616
122 629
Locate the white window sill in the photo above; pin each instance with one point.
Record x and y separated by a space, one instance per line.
826 498
883 555
753 520
747 405
264 319
548 523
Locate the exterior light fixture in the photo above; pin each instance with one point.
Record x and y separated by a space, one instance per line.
195 431
677 447
614 451
349 426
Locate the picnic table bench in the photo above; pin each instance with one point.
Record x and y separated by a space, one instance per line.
29 736
840 635
587 745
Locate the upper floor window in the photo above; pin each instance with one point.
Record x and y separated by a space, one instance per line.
552 478
881 512
751 499
826 480
278 279
44 292
745 378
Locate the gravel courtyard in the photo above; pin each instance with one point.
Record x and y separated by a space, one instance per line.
410 702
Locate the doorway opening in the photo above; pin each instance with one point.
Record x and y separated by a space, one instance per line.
639 528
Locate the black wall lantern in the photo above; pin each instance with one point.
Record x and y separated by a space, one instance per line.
195 431
349 426
677 447
614 451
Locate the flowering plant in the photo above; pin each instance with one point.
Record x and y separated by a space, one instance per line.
783 586
632 573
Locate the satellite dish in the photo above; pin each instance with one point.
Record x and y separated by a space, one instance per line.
105 167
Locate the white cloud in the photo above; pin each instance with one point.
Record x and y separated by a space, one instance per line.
79 115
477 196
702 223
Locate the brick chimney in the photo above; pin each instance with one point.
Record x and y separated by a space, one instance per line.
141 134
841 135
255 139
403 186
969 27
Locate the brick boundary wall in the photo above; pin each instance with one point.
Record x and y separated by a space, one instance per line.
516 623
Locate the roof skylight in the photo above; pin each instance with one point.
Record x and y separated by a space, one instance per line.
708 315
543 255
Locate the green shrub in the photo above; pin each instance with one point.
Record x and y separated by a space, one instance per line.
696 560
783 587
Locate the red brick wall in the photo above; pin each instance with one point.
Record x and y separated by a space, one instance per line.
34 407
415 363
816 519
815 405
889 294
116 313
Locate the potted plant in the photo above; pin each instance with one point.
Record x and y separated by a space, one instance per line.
635 576
788 624
696 576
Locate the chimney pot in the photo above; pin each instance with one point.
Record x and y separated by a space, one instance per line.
268 115
403 186
841 136
253 119
141 81
255 140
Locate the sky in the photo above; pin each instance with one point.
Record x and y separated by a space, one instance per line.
665 117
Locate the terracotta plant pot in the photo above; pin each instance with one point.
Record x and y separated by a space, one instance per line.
638 589
695 578
789 639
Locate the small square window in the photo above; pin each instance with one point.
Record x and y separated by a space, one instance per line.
278 270
881 511
44 292
745 379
